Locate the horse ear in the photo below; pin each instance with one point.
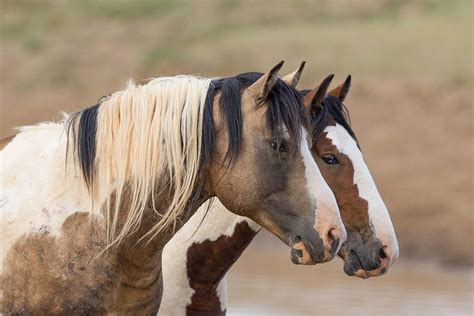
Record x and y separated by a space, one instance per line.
314 99
341 90
262 87
293 78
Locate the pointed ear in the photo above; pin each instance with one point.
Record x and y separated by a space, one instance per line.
293 78
260 88
341 90
314 99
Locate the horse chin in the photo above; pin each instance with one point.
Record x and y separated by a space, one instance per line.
356 272
353 267
362 274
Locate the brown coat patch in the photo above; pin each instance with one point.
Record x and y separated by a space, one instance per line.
44 274
48 275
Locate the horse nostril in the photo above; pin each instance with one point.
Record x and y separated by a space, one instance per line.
382 254
332 235
334 241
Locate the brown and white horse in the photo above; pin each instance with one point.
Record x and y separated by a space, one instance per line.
88 204
197 258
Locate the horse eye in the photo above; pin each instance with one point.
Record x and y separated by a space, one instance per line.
330 159
279 146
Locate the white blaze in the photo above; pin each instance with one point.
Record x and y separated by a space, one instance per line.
324 202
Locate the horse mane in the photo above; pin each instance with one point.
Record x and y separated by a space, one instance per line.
285 109
339 113
333 108
161 131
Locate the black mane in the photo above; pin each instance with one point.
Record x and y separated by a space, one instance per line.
84 139
340 113
285 108
332 107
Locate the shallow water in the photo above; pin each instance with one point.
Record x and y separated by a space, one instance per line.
265 282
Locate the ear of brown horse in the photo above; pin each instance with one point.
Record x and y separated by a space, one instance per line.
265 83
341 90
293 78
314 99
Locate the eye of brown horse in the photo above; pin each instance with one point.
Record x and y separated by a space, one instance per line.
330 159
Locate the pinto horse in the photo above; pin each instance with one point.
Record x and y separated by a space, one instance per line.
88 204
197 258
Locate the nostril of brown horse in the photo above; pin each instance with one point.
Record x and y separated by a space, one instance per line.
385 257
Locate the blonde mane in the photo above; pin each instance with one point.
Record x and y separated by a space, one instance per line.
142 135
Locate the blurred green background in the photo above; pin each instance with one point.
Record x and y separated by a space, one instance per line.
411 99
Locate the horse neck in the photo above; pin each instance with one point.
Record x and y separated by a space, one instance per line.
197 258
152 245
138 260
